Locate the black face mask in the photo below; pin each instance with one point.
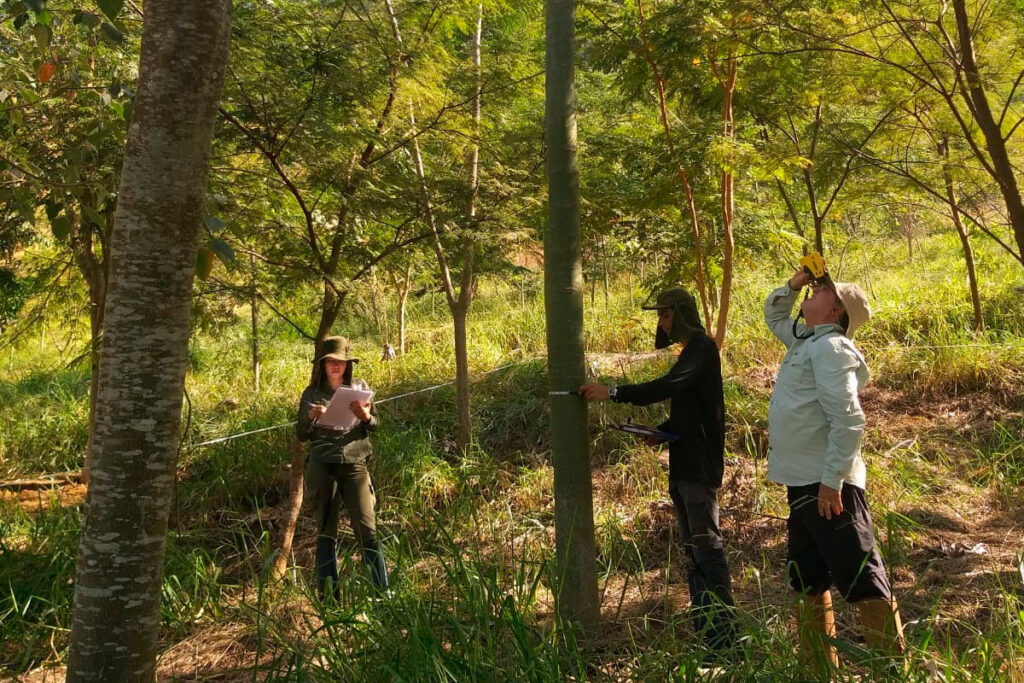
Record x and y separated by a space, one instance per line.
685 324
661 339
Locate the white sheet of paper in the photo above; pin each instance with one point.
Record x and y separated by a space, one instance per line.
339 415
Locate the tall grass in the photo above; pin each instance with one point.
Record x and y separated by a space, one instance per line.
468 538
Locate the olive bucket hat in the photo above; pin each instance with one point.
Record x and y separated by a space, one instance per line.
685 318
337 348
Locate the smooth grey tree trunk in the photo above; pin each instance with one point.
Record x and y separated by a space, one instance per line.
576 589
146 327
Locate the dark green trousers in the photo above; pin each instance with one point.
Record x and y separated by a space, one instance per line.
332 486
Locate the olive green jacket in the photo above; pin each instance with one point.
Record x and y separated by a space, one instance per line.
329 445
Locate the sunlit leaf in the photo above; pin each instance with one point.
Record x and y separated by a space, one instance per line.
204 263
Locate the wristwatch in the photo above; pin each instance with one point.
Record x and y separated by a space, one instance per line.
612 391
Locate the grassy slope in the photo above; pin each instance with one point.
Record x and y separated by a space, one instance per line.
469 538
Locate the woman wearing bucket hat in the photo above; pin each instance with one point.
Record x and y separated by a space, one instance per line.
814 428
336 472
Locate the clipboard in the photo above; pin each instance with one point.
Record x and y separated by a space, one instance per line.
339 416
644 431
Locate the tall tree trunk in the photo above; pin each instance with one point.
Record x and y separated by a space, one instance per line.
403 290
961 231
576 589
995 143
908 232
119 571
604 270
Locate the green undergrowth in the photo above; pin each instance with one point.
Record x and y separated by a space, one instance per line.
469 537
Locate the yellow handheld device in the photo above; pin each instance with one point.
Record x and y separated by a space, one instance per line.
814 265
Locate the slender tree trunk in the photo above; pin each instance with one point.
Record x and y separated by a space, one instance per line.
403 298
728 83
255 315
819 240
468 248
995 143
684 179
328 315
458 303
94 271
908 232
119 571
961 231
375 307
576 591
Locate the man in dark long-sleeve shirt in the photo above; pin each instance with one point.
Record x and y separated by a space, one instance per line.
697 416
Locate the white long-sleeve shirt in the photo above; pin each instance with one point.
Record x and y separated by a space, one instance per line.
814 419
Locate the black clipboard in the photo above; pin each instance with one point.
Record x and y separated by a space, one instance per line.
644 431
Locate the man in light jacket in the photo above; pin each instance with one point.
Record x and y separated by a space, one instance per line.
814 426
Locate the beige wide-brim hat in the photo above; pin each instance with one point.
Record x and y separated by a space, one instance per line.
855 302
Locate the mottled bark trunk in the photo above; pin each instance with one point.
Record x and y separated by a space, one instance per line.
576 588
119 570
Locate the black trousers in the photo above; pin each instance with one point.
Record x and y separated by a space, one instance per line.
708 574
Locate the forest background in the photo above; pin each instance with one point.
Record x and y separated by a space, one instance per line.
378 171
